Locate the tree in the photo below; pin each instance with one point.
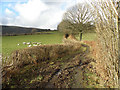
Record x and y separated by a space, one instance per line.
78 18
66 27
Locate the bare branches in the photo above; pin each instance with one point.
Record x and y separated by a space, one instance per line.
79 17
79 13
107 32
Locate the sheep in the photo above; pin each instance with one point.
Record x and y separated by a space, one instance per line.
29 45
24 42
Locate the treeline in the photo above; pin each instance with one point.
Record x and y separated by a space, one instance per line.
15 30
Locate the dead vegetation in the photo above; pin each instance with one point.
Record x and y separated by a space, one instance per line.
106 24
69 65
52 66
37 54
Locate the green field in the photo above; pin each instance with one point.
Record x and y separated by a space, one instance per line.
87 36
10 43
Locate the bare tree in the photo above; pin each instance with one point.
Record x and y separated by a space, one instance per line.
79 18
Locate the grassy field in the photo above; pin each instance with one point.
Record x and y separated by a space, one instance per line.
87 36
10 43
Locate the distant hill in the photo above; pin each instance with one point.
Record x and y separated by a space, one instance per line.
15 30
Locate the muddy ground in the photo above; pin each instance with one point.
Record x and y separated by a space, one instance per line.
75 71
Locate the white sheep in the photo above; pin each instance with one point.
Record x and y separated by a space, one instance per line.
24 42
29 45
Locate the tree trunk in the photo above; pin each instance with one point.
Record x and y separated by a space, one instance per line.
80 35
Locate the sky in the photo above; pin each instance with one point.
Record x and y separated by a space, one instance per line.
45 14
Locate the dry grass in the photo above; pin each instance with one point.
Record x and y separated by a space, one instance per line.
38 54
41 53
40 62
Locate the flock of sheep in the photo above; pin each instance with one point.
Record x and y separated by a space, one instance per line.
31 43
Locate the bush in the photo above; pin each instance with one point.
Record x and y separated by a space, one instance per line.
37 54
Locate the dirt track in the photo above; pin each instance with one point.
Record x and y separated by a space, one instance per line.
75 71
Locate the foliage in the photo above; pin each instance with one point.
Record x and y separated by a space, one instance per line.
66 27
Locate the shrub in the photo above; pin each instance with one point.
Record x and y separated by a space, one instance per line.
34 55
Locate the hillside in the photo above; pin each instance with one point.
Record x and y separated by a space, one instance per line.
15 30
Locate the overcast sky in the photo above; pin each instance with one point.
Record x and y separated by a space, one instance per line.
34 13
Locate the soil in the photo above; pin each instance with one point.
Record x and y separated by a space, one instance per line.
77 71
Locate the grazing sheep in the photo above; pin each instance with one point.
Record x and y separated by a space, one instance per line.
24 42
29 45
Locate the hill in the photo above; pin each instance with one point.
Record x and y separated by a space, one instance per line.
15 30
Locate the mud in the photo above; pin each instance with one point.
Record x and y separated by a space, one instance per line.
75 71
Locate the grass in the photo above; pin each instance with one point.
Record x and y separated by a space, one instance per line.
9 43
43 71
87 36
36 62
